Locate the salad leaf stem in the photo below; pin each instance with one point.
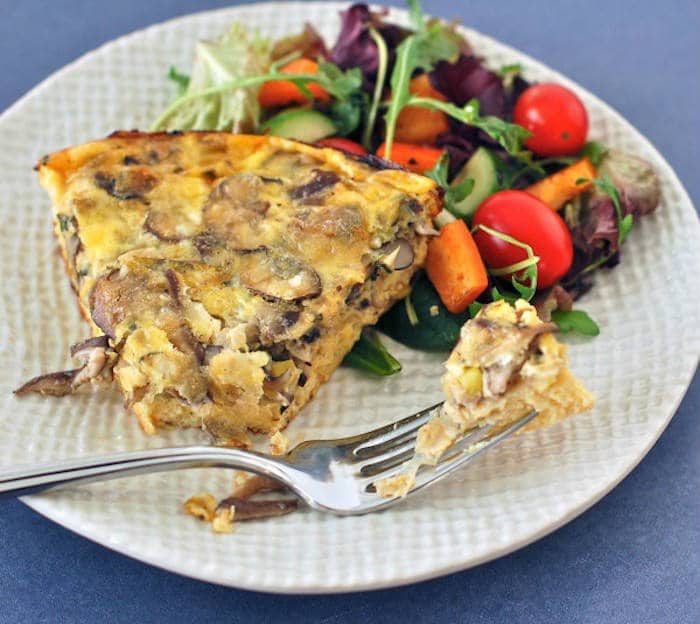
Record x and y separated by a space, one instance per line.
383 62
529 271
515 267
410 310
275 66
238 83
421 50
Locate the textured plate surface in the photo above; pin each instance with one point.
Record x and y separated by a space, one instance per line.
639 367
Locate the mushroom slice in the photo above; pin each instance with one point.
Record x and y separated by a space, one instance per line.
129 184
52 384
171 222
397 254
319 182
97 362
80 349
109 300
247 484
256 509
279 276
281 379
96 356
235 208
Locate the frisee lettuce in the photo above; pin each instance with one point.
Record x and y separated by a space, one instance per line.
235 55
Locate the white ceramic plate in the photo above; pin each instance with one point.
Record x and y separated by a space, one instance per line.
639 367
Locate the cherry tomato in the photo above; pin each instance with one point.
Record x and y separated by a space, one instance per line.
525 218
556 118
346 145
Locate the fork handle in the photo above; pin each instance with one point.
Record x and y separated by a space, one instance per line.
33 479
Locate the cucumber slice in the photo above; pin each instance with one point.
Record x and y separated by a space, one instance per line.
482 167
302 124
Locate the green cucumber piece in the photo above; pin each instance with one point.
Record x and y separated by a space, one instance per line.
482 167
301 124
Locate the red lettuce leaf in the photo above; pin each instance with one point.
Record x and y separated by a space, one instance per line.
468 78
355 47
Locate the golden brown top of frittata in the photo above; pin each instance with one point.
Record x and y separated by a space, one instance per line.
212 261
153 192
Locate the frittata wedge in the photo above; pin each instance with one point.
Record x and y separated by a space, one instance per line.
226 276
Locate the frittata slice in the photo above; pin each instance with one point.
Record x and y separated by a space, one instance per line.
506 364
226 276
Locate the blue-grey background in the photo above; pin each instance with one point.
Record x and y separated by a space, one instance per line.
634 557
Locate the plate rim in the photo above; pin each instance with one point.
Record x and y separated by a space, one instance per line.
43 505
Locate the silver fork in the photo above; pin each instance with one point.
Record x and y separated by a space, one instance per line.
335 476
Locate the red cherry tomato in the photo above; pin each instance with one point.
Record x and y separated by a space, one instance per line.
525 218
556 118
346 145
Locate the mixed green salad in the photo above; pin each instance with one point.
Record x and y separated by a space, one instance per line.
533 208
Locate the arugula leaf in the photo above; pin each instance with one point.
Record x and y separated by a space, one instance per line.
340 84
474 308
348 112
626 227
421 50
454 193
575 321
526 283
497 295
509 135
532 167
594 151
182 80
369 354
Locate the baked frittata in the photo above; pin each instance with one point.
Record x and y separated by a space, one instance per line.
226 276
506 364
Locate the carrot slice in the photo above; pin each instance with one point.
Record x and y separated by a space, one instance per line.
418 158
557 189
455 267
420 125
283 92
421 85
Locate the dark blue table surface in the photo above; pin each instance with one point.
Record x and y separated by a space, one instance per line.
634 557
